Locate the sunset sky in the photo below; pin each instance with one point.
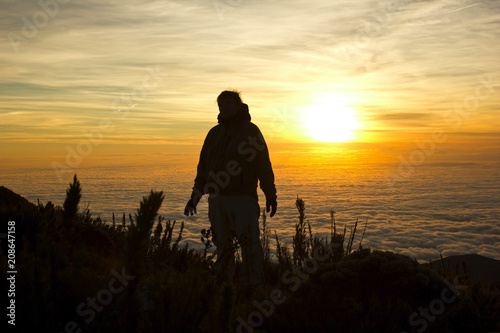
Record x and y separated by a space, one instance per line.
139 79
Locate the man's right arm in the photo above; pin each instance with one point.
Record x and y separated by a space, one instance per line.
199 184
201 178
201 171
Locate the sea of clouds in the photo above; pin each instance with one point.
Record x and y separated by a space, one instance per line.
448 210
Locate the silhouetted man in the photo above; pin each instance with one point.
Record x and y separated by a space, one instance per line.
233 158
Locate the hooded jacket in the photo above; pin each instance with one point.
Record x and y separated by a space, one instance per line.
233 158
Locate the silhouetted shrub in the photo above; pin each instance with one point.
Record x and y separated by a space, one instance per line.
73 196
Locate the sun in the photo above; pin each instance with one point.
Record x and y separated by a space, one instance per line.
331 119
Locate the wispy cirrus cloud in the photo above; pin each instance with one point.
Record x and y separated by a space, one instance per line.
404 62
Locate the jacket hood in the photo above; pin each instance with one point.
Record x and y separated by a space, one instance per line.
241 116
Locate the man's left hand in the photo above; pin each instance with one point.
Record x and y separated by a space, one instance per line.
271 205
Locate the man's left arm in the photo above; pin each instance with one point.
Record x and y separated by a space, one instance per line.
265 174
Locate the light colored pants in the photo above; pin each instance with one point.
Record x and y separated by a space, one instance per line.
237 216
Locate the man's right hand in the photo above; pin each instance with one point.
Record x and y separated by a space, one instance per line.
191 207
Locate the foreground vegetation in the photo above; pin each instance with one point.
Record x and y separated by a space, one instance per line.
77 273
